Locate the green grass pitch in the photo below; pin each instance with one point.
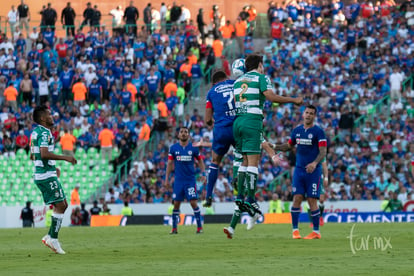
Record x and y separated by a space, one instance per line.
265 250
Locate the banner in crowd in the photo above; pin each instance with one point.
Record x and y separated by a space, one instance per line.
10 216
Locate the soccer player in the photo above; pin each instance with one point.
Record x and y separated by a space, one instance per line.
182 157
46 175
220 109
250 92
311 150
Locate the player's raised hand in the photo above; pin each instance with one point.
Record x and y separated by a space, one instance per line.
311 167
298 100
71 160
325 182
276 160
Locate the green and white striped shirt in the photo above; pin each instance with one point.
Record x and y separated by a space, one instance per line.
248 93
42 137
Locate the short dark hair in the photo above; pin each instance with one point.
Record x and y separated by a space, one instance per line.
252 62
218 76
38 112
311 106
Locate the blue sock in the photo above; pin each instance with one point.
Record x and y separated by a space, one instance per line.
175 215
315 220
197 216
212 178
295 212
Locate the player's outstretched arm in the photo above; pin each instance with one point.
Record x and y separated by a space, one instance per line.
271 96
272 154
208 116
325 173
282 147
46 154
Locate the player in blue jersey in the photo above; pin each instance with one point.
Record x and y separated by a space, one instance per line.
311 150
182 157
220 109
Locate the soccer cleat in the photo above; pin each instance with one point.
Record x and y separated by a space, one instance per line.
252 221
173 231
229 231
252 208
312 236
199 230
208 202
45 240
55 246
296 235
321 222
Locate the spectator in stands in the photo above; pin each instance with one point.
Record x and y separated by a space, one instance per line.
76 217
13 19
24 16
227 32
68 142
95 210
87 16
68 19
241 32
22 142
50 16
10 93
79 91
74 195
106 139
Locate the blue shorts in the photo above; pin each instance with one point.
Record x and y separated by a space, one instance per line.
184 189
307 184
222 140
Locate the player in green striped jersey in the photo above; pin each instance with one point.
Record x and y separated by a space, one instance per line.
250 92
46 174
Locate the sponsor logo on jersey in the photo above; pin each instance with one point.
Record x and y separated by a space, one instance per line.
184 158
306 142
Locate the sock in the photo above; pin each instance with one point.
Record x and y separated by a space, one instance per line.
197 216
236 217
315 219
251 176
295 212
55 226
212 178
309 215
175 215
241 177
321 208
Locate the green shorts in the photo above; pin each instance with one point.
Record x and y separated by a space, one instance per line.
248 134
51 189
322 189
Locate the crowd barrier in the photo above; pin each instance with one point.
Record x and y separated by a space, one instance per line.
360 211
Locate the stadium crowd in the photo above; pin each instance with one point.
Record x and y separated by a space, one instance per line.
344 59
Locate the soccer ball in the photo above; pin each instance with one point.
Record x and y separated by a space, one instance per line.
238 68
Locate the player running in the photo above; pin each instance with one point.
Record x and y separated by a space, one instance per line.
311 150
182 157
46 175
